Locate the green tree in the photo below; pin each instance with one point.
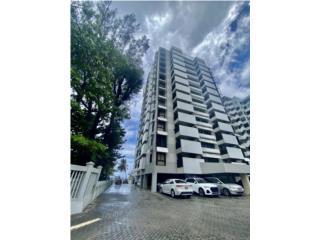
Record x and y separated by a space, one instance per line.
105 73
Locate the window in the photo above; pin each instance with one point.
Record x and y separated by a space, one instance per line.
161 113
179 161
162 92
212 160
161 159
162 102
204 131
214 180
196 100
151 157
199 109
161 141
161 126
218 136
161 84
207 145
162 76
201 120
179 181
190 180
178 143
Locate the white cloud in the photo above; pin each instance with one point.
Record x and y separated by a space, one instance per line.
220 48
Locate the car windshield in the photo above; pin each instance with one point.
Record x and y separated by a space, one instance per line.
180 181
200 180
214 180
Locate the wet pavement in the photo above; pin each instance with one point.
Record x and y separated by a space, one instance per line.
130 213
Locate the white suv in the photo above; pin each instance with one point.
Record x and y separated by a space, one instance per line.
176 187
203 187
227 189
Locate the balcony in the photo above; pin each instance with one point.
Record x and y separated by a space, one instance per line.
182 88
205 74
195 89
192 165
177 57
146 127
207 136
144 149
200 105
213 99
179 68
145 137
188 146
233 153
215 106
183 81
228 139
184 106
186 118
199 97
212 91
188 131
178 62
244 137
207 78
210 150
220 116
204 124
180 73
208 168
208 84
142 163
183 96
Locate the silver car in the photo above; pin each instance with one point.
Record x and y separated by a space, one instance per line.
227 189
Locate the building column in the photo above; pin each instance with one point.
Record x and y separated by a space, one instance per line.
245 183
144 181
154 182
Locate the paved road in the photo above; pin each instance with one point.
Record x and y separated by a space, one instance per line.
129 213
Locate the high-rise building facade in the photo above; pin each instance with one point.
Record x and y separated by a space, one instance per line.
184 129
239 114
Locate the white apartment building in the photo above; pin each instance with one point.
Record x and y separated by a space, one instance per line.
184 128
239 115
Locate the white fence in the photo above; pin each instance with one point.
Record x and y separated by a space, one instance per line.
85 186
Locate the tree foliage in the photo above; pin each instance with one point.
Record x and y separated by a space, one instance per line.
105 74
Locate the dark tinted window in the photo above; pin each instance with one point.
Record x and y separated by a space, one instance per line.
179 181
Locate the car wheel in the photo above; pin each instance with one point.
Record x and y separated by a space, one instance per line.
226 192
160 190
201 192
172 193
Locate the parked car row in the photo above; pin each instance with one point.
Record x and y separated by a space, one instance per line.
210 186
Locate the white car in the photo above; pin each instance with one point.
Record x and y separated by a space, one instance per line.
203 187
176 187
227 189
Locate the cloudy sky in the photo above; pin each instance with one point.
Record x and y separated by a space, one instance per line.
218 32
